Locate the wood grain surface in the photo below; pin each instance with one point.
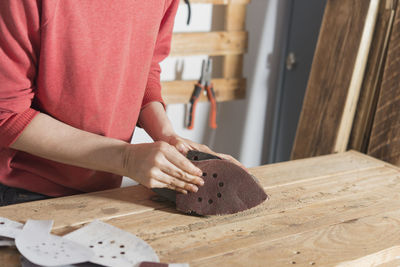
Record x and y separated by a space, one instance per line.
209 43
385 137
353 92
330 77
225 90
235 17
366 107
323 211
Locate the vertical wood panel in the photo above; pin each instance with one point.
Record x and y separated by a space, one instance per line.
235 19
373 78
330 77
353 93
385 137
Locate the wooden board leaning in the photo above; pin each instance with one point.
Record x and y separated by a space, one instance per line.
330 78
385 136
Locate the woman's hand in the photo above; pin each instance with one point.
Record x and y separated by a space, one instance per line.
184 145
159 164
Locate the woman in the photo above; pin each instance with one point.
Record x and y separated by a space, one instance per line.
76 77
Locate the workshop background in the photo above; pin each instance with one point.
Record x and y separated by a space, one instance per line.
260 128
339 209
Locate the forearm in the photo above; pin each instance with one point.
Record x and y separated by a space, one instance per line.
153 165
49 138
155 122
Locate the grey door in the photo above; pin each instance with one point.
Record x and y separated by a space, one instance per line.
304 25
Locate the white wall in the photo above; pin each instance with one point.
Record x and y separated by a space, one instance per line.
243 125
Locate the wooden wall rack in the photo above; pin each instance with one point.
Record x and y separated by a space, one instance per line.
230 43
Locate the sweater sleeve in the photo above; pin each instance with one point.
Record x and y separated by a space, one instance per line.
161 51
19 51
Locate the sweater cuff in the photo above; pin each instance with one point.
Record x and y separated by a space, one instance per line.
12 127
152 93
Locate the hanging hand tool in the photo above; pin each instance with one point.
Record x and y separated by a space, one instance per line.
189 11
206 85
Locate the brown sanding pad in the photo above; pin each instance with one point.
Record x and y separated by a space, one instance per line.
227 189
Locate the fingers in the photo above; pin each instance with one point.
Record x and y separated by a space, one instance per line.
159 179
181 162
182 146
202 148
206 149
176 172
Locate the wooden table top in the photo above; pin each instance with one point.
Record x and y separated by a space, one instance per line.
322 211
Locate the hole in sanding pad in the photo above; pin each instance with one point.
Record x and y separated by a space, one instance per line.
204 174
199 199
210 201
215 175
219 195
221 184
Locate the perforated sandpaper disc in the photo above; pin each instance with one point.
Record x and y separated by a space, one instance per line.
227 189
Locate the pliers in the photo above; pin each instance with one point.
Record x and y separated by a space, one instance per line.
203 84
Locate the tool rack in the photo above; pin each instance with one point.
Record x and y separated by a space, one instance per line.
230 43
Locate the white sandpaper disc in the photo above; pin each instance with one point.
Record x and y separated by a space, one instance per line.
113 246
37 245
9 228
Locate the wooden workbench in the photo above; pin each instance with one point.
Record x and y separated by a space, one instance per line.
322 212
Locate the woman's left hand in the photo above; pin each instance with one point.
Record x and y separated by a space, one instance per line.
183 145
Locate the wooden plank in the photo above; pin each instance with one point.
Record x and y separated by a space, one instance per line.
295 208
208 239
187 238
330 77
235 16
284 173
225 90
209 43
353 93
137 200
385 136
235 19
84 208
336 189
321 246
366 107
10 257
381 257
218 2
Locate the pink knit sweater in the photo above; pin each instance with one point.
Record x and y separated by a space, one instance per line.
92 64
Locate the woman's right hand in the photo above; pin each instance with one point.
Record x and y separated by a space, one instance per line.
160 165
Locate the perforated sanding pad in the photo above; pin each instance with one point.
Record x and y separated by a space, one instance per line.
227 189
